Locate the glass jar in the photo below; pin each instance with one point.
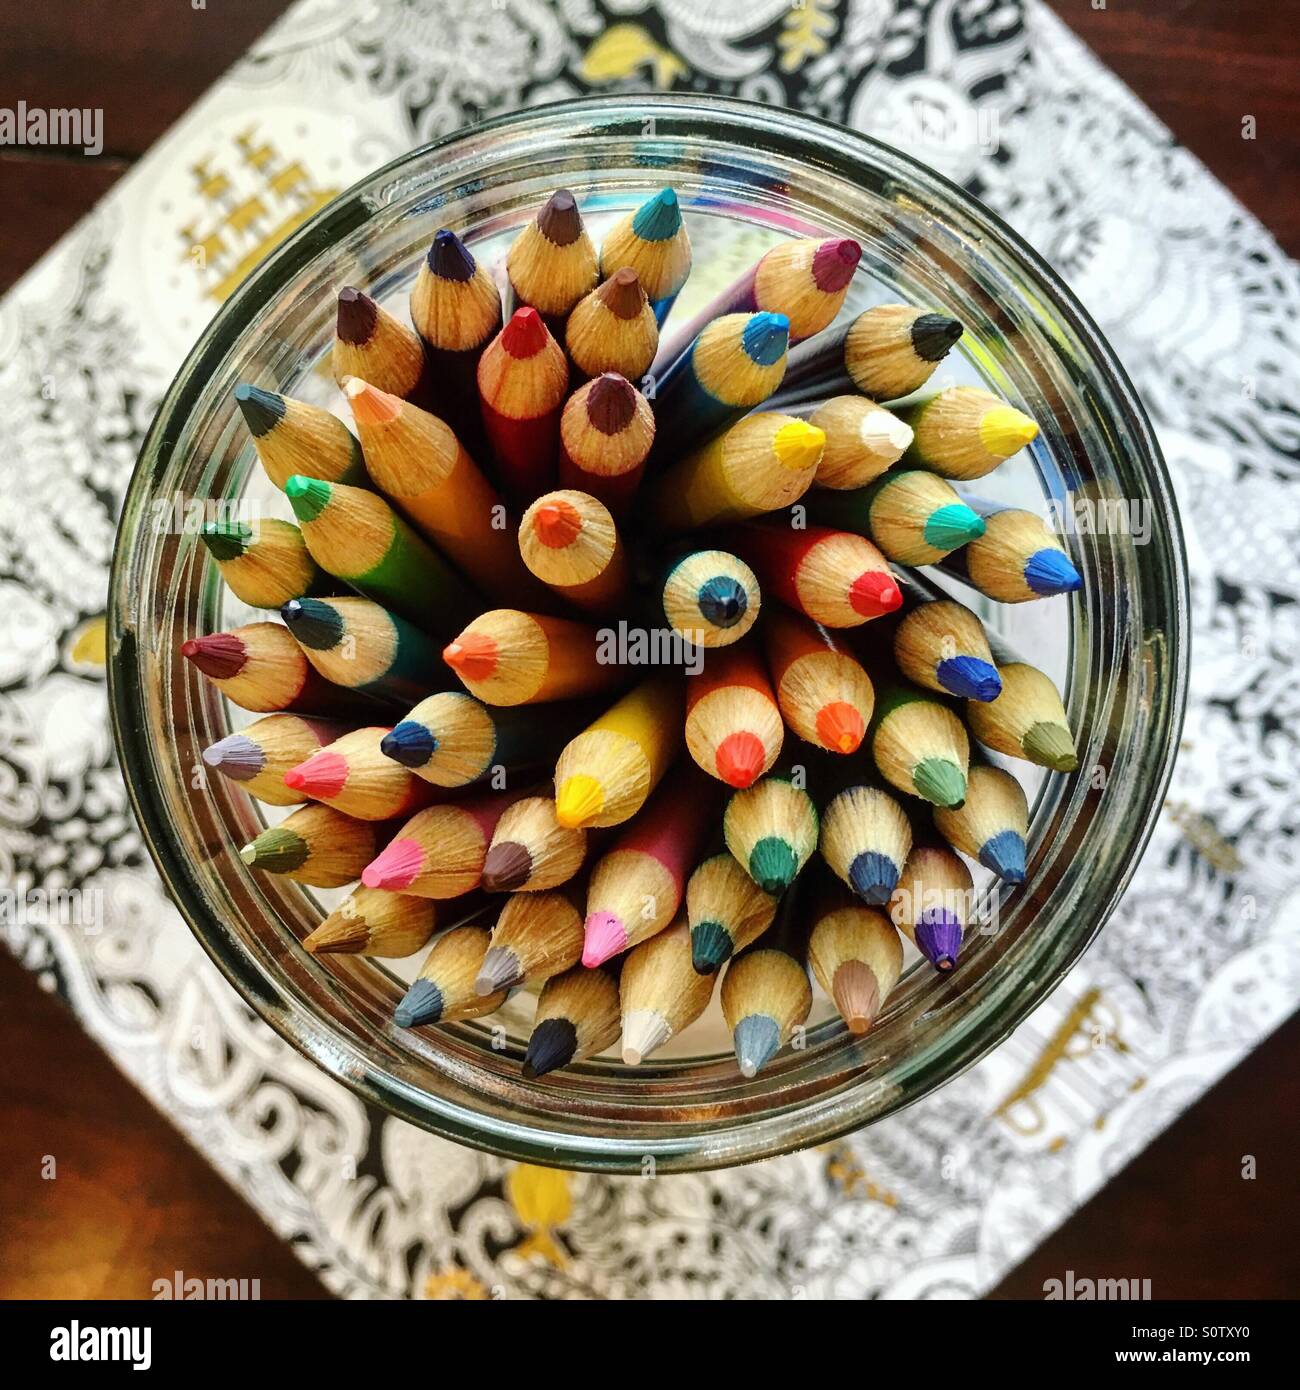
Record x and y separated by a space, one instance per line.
747 176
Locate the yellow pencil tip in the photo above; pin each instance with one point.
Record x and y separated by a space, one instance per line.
799 445
578 801
1004 429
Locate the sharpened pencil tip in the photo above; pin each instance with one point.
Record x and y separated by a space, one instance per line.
856 995
840 727
644 1030
219 655
969 678
773 864
873 877
711 946
622 294
1050 572
578 801
659 217
740 759
409 743
766 337
605 936
449 258
370 405
723 600
756 1039
553 1043
834 262
313 622
940 782
1004 429
422 1003
525 335
321 776
307 496
611 403
938 938
798 445
874 593
506 867
276 851
262 410
556 523
226 540
948 527
559 221
473 655
1050 745
236 756
1003 854
395 867
356 317
933 335
500 970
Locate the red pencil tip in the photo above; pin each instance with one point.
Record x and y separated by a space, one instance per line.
473 654
321 776
873 593
740 759
834 262
557 523
219 655
525 335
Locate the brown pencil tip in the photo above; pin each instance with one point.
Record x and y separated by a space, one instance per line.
611 403
525 335
219 656
357 316
370 405
506 867
856 995
622 294
559 221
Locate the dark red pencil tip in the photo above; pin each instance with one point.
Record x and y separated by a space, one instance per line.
834 263
219 655
525 335
611 403
559 221
357 316
622 294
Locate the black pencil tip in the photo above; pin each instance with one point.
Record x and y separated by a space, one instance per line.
262 410
449 257
357 316
933 335
552 1045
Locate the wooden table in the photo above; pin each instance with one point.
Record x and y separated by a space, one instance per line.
131 1201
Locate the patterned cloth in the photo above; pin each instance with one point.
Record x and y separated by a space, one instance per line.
1199 963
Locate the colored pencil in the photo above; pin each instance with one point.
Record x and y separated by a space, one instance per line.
258 757
356 536
835 578
444 989
856 957
733 724
863 439
823 692
552 263
261 668
371 344
766 993
771 828
805 280
660 992
439 852
577 1016
372 922
653 241
531 852
354 777
505 657
315 845
456 309
417 462
605 775
914 517
1016 560
711 597
613 329
762 463
886 352
606 432
942 646
361 646
725 910
992 825
569 541
264 564
1027 720
965 432
736 363
866 837
932 903
916 741
637 884
537 936
523 377
293 437
452 740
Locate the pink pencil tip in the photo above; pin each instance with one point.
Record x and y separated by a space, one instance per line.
395 867
605 937
834 263
321 776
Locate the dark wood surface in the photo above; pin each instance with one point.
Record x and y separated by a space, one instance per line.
131 1202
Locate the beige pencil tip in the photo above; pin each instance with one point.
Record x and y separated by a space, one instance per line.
644 1031
856 995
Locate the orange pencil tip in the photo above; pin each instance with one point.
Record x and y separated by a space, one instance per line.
370 405
472 654
740 759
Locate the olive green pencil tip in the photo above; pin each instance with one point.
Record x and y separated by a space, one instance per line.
226 540
940 782
1050 745
276 850
307 496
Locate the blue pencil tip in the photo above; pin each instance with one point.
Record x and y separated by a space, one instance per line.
756 1038
410 744
766 337
658 218
1050 572
873 877
422 1003
1004 854
969 678
723 600
449 257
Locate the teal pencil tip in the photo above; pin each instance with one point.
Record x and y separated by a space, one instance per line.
773 865
262 410
766 337
658 218
227 540
953 526
307 496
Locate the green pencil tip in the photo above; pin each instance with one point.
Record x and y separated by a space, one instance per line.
940 782
226 540
276 850
710 946
307 496
954 525
1050 745
772 864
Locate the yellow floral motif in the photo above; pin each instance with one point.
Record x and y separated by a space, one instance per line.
847 1174
90 644
623 49
804 34
542 1202
454 1285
